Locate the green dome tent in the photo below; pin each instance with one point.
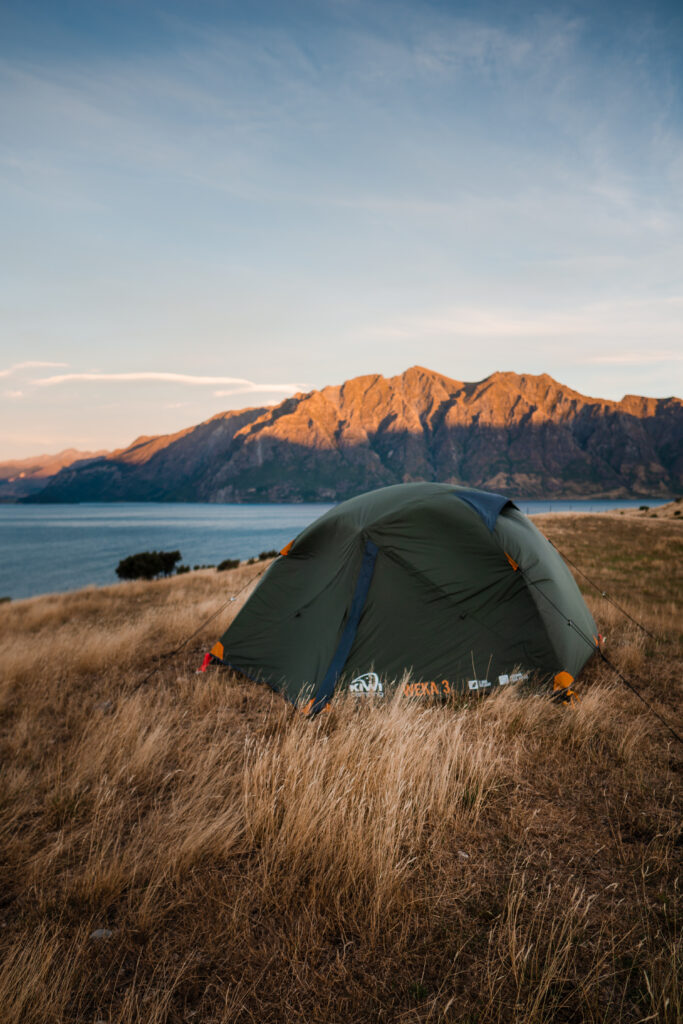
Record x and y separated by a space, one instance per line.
453 585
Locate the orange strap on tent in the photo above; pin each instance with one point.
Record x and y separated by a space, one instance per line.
562 688
306 709
216 653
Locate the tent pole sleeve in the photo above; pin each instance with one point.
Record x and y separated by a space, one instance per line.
363 581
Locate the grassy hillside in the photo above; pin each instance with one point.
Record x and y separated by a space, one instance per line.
192 850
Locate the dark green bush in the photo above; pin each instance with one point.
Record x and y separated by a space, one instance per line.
227 563
182 569
147 565
267 554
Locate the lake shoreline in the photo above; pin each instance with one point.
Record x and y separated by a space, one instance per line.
60 549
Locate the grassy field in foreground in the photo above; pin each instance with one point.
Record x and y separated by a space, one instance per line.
192 850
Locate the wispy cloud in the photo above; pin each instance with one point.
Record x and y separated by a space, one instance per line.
166 378
258 389
31 364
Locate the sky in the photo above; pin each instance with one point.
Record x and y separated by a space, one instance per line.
212 205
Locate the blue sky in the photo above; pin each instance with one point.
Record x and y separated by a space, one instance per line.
211 205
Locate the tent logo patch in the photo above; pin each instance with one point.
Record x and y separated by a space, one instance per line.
369 682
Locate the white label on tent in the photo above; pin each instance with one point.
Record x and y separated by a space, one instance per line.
478 684
503 680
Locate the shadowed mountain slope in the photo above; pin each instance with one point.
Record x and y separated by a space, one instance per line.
522 434
20 477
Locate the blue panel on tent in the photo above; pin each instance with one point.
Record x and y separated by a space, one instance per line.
485 504
363 581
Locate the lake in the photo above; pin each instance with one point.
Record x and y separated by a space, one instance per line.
48 548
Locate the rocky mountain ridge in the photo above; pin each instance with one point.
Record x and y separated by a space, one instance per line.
523 435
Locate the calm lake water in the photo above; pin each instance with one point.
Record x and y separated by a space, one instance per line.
47 548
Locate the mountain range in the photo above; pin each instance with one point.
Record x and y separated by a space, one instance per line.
522 435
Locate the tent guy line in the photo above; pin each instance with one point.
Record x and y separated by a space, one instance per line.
597 648
176 650
603 593
640 697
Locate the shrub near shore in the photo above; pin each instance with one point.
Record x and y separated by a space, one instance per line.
194 850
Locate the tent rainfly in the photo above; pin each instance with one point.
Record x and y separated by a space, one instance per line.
450 588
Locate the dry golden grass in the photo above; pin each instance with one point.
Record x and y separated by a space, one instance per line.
502 860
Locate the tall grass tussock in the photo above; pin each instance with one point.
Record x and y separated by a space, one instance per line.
194 850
